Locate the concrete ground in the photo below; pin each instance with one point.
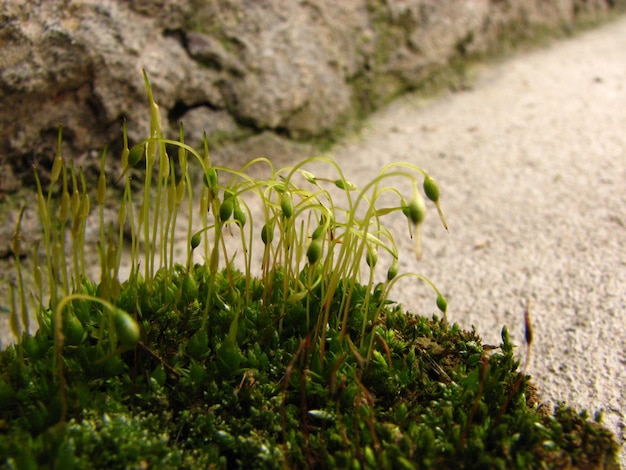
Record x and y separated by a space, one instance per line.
531 162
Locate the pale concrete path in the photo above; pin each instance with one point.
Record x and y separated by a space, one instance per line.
532 166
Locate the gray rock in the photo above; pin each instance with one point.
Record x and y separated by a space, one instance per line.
299 69
219 126
280 150
211 53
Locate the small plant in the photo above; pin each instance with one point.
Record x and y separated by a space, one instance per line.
225 358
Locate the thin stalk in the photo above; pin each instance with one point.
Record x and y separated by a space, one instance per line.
64 214
145 220
16 247
85 209
45 225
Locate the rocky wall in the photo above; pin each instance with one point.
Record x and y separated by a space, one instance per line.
278 72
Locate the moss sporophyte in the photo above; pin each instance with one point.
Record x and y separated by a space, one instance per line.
270 342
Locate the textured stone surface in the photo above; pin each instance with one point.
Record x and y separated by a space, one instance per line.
232 68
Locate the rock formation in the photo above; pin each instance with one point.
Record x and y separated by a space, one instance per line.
273 70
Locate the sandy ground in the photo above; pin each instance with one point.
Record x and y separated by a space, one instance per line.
532 166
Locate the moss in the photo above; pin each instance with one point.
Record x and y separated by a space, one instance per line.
430 396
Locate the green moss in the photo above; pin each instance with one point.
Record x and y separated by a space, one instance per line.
430 396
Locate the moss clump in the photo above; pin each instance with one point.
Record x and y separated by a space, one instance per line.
187 398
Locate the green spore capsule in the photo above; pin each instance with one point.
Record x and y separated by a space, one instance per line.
85 206
392 272
126 328
57 166
431 188
239 215
64 209
416 210
135 154
308 176
314 252
318 232
226 209
371 257
345 185
267 233
442 303
210 178
195 241
75 204
286 205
